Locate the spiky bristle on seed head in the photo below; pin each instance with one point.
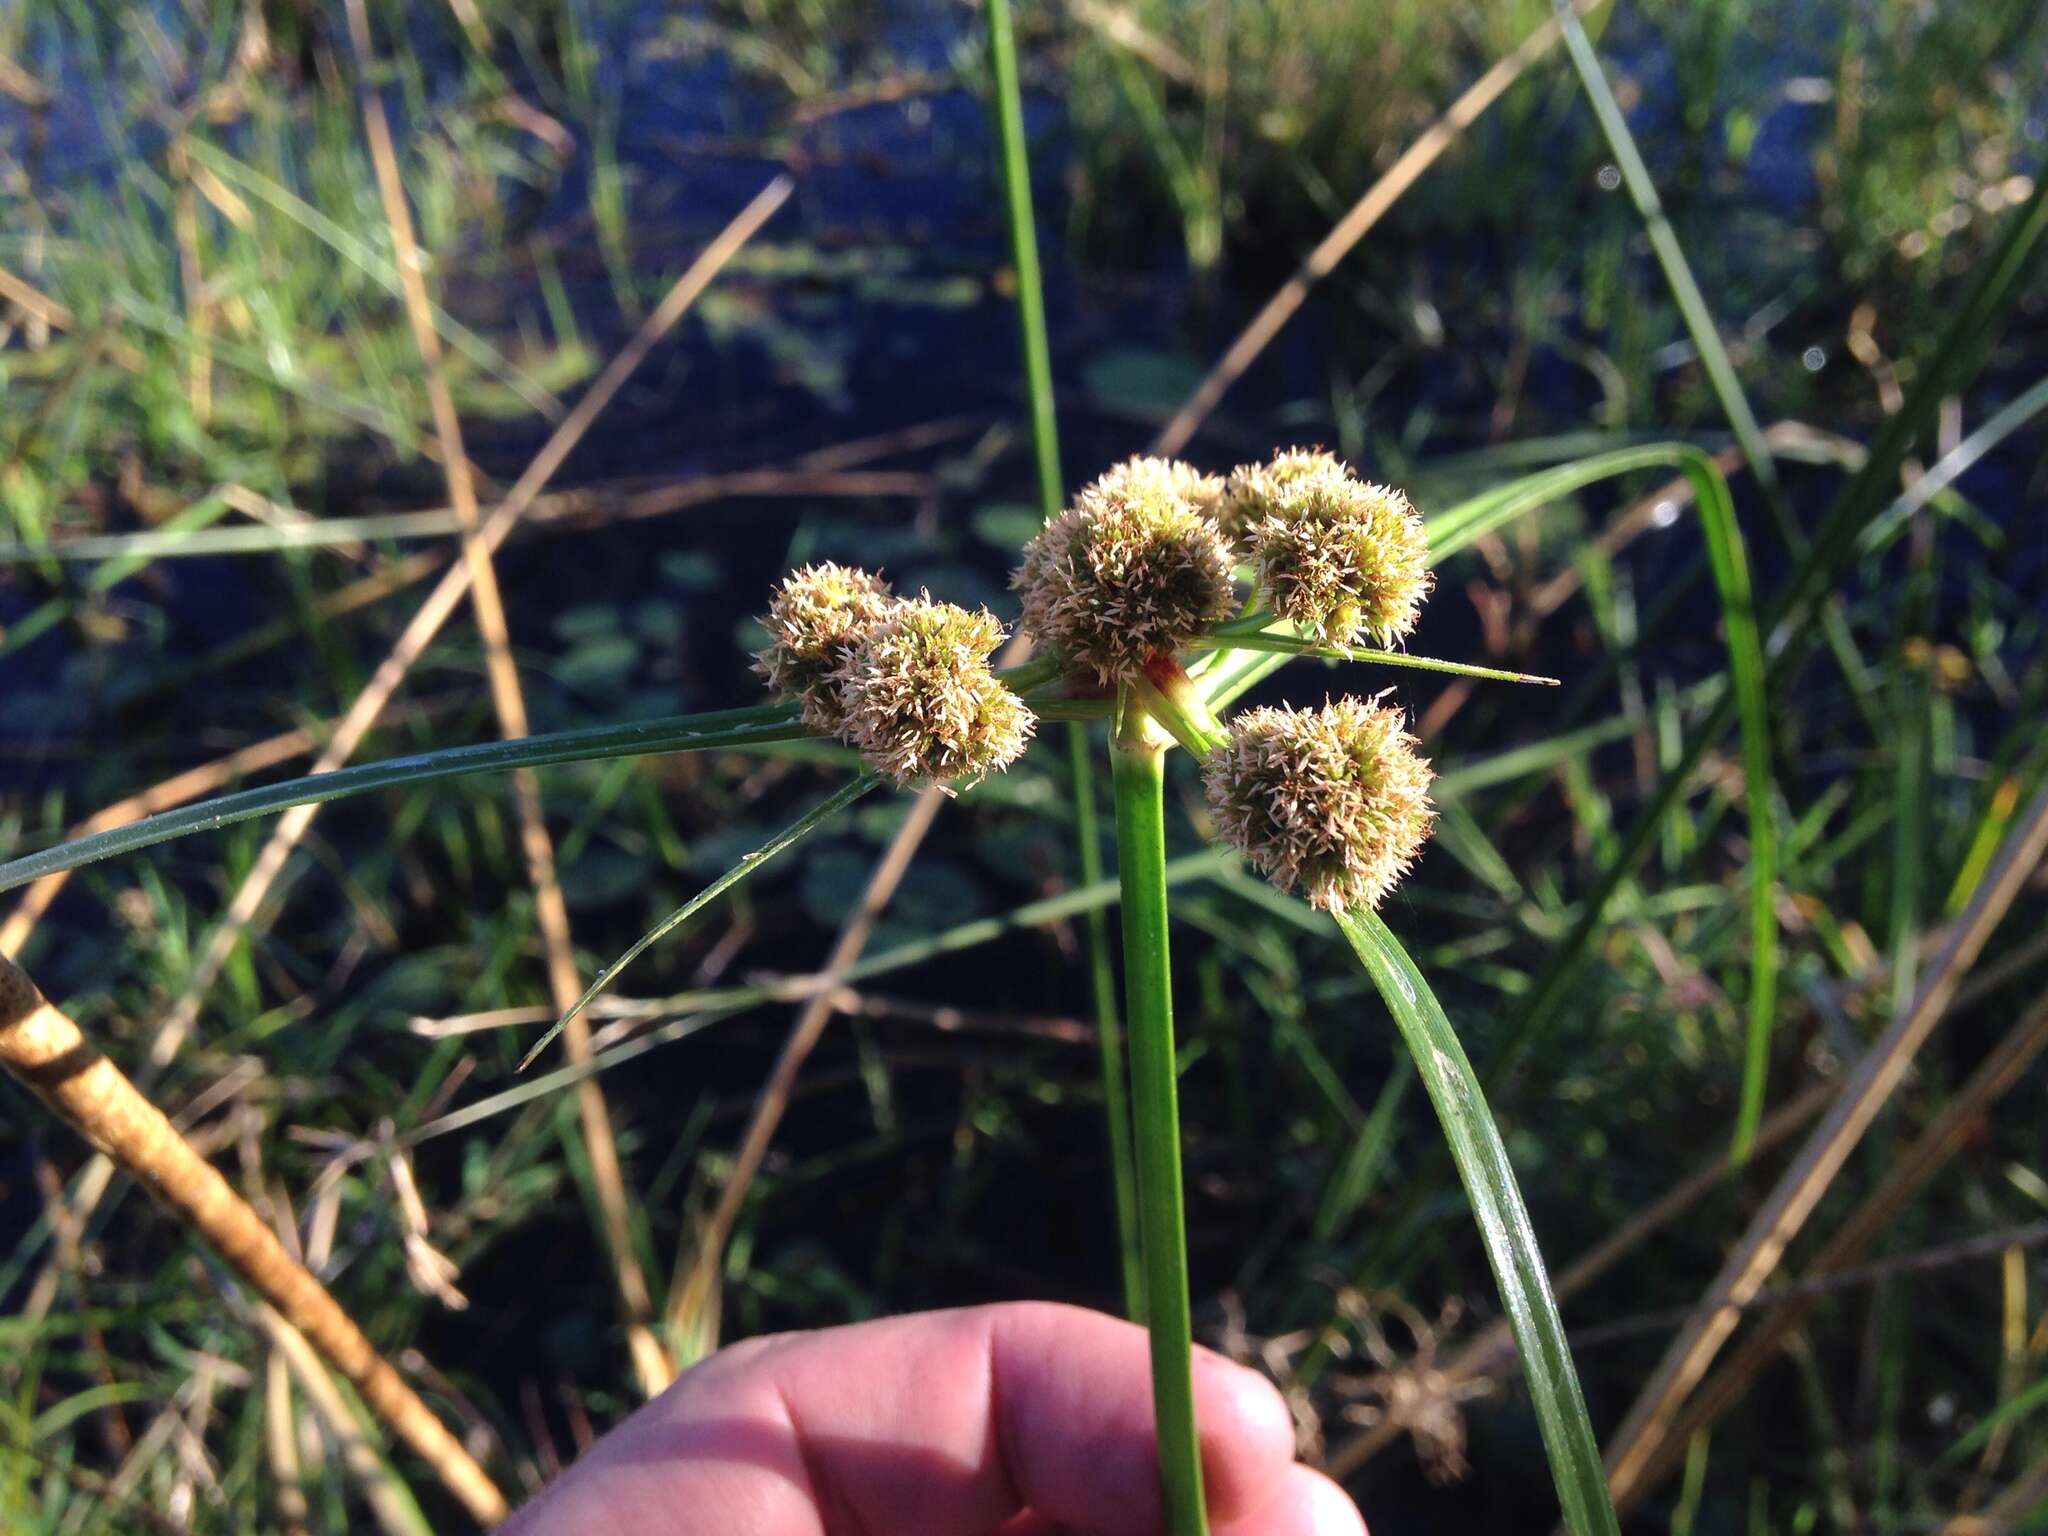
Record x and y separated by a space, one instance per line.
1346 560
1332 801
1255 492
917 698
815 616
1135 568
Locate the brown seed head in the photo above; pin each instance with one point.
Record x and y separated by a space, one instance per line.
1334 801
815 617
1344 559
1134 568
1255 492
916 696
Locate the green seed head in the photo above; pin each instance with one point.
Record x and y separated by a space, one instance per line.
1333 801
916 696
815 617
1343 559
1134 568
1256 492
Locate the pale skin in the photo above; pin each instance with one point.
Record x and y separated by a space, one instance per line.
1026 1419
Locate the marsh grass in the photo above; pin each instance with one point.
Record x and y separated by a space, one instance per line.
1587 915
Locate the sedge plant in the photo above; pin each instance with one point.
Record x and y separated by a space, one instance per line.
1158 597
1125 588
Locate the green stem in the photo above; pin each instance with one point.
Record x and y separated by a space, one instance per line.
1116 1101
1016 176
1140 780
1002 54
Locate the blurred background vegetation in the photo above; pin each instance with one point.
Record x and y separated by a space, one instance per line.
220 501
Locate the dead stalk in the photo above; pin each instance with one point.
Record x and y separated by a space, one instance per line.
1800 1188
1352 228
42 1047
651 1363
1906 1177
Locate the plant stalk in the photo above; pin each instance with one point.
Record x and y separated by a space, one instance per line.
1037 350
1139 777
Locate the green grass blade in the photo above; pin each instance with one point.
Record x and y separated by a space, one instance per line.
780 843
2014 1408
732 729
1746 668
1037 351
1503 1223
1016 177
1295 645
1996 287
1692 304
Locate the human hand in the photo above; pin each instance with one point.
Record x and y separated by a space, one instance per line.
1020 1420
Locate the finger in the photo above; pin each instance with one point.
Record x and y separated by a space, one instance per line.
947 1423
1305 1504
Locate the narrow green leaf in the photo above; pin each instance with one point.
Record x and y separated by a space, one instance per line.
1231 639
1503 1223
1995 289
781 842
1692 304
732 729
2014 1408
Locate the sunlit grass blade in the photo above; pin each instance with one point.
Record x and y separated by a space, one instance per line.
1230 638
782 842
172 543
732 730
1692 304
375 265
1503 1222
1952 465
1462 525
1995 288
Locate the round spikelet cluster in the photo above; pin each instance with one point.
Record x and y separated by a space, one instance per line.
814 619
1135 568
1333 801
917 697
1255 492
1344 559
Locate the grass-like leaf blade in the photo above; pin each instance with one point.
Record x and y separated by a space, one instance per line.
1503 1223
781 842
733 729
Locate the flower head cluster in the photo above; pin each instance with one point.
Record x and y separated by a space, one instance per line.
916 696
1255 492
814 619
1334 801
1344 559
905 680
1135 568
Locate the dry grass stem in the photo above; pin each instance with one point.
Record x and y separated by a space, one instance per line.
651 1363
1353 227
42 1047
1906 1178
1799 1190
